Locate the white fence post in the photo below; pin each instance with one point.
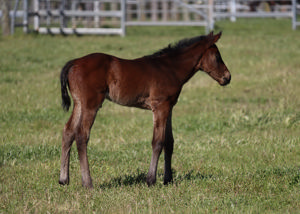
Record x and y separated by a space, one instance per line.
96 18
62 15
232 10
294 14
13 17
36 19
25 16
210 16
123 17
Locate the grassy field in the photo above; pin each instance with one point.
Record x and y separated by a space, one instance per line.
237 148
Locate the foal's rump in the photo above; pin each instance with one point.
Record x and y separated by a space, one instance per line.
87 74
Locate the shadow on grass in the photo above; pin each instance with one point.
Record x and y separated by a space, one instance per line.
191 175
125 180
140 178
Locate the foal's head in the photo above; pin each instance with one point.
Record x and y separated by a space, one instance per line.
211 62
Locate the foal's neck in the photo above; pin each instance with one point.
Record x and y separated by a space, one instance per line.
184 64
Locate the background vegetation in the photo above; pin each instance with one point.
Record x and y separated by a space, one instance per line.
237 148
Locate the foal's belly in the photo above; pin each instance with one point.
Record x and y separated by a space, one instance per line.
128 98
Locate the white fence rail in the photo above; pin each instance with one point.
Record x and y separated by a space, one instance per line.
112 16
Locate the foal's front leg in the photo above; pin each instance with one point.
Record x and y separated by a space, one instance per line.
168 148
160 116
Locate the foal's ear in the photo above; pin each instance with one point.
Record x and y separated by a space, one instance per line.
211 34
213 38
217 37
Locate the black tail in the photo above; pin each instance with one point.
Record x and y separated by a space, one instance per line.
66 101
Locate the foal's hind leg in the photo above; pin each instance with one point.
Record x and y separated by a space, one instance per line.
67 140
82 138
88 115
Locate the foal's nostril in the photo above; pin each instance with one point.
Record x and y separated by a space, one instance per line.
226 80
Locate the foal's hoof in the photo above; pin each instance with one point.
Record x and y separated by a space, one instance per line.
88 184
151 181
167 182
63 182
168 178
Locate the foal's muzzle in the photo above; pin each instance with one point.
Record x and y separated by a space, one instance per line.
226 79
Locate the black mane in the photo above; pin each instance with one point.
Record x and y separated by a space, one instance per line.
177 47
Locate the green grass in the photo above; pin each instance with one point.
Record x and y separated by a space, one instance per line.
237 148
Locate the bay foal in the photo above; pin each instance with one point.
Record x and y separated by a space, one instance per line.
151 82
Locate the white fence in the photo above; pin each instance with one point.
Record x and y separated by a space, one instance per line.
234 9
170 13
112 16
128 13
74 16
